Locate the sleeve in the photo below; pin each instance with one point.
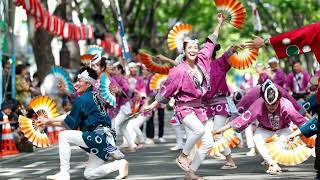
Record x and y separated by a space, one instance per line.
72 121
248 99
310 128
170 87
280 78
223 62
124 85
293 114
245 119
300 37
205 54
307 80
289 83
294 102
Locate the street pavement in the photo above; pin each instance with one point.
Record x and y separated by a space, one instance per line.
152 162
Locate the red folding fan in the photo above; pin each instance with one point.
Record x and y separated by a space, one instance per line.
233 10
176 35
147 60
243 58
86 59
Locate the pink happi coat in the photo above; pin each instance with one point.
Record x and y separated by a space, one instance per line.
215 99
280 119
255 93
183 88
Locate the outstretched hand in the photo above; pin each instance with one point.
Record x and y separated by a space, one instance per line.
220 18
236 47
257 42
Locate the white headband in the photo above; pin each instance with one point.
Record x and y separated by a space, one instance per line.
192 41
271 87
85 76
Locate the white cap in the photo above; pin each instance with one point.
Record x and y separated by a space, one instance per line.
132 64
273 60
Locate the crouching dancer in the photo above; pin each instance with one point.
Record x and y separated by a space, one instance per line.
95 136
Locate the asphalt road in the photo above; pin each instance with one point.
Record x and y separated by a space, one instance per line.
152 162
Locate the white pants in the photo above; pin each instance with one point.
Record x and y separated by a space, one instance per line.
179 136
249 136
195 130
95 167
218 122
202 152
260 137
120 123
134 128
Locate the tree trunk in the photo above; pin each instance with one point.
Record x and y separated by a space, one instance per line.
41 45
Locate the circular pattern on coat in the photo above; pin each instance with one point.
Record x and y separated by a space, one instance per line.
246 115
292 50
89 138
98 139
219 108
94 151
106 156
313 126
286 41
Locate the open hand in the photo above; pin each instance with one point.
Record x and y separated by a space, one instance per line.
220 18
257 42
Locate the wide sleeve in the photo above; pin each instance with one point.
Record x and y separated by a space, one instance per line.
289 83
307 35
223 62
306 81
205 54
310 128
171 86
248 99
293 114
245 119
280 78
124 85
294 102
72 121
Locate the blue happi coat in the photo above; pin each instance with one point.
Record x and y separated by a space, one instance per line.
88 113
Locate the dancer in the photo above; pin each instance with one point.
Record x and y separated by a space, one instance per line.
274 114
89 115
187 83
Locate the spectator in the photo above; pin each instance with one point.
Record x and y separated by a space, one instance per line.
23 86
276 74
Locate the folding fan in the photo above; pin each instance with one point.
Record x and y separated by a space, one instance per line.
146 59
288 152
105 90
231 137
44 106
176 35
94 49
310 142
157 80
86 59
63 76
243 59
32 132
233 10
218 146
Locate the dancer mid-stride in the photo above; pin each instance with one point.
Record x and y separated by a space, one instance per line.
187 83
95 136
